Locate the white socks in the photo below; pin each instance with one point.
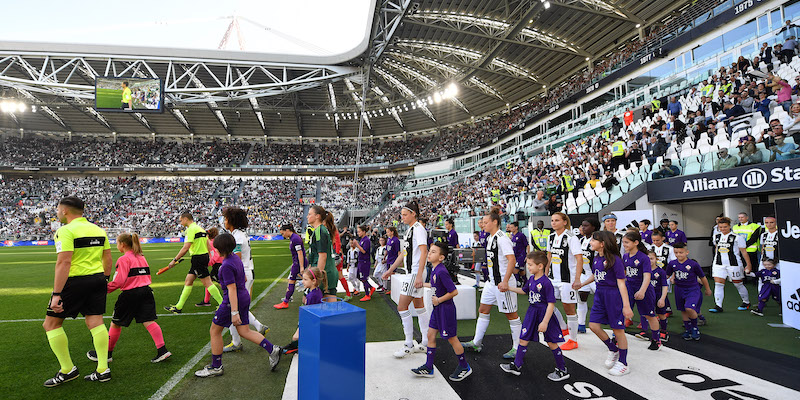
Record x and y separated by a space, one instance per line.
559 318
235 338
424 319
583 309
480 328
408 326
719 293
572 324
742 292
255 323
516 329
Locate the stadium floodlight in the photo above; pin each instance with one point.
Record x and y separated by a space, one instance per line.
638 26
546 5
437 97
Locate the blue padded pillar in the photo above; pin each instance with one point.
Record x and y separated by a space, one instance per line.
332 352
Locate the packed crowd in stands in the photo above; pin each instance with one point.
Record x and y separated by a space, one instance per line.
719 122
337 194
151 206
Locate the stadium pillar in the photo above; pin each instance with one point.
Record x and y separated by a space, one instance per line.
332 351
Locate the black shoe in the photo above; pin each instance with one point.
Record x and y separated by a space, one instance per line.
60 378
290 348
92 355
654 345
95 376
202 304
161 355
511 369
558 375
716 309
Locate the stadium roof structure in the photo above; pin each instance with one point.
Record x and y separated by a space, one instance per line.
428 63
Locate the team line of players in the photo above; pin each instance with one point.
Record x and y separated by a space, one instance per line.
617 266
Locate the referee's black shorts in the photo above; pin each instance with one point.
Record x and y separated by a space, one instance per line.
136 303
84 295
200 265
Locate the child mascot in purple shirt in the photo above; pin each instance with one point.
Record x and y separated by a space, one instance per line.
539 317
611 305
770 285
443 317
684 273
233 309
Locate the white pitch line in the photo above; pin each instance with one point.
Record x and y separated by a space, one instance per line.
178 376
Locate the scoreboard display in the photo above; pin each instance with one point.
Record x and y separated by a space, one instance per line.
308 198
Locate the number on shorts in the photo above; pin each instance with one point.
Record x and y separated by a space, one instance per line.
405 286
572 295
736 274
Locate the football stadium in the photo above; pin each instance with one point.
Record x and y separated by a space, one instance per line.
533 199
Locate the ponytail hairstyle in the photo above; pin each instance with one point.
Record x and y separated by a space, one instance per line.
329 223
610 249
317 275
131 240
413 206
494 216
636 237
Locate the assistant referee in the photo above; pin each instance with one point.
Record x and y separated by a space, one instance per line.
82 267
195 242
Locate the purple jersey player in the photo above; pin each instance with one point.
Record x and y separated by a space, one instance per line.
684 273
611 305
234 309
443 317
520 243
362 266
539 317
638 274
675 235
299 262
660 284
770 278
313 280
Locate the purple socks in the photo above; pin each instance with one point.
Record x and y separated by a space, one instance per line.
610 344
656 335
462 361
431 353
663 324
693 323
289 293
623 356
519 359
266 345
216 360
559 359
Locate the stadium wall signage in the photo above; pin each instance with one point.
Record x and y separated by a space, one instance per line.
210 170
770 177
787 212
143 240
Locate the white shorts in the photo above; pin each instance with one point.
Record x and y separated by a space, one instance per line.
506 302
248 283
352 272
379 270
733 273
591 288
408 288
565 292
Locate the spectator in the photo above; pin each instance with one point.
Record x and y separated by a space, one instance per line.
554 205
628 117
783 89
634 155
609 180
782 150
743 64
667 170
762 105
747 102
789 47
540 203
674 106
724 160
750 154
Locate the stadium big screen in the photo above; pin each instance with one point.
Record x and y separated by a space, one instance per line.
143 95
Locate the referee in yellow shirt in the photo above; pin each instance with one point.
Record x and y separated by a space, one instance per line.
82 268
195 242
127 98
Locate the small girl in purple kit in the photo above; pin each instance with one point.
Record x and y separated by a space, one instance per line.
234 309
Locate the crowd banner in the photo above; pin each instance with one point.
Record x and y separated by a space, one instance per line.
787 212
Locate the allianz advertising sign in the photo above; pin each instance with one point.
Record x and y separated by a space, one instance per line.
739 181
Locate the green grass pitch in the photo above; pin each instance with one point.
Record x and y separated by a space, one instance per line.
28 361
109 98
